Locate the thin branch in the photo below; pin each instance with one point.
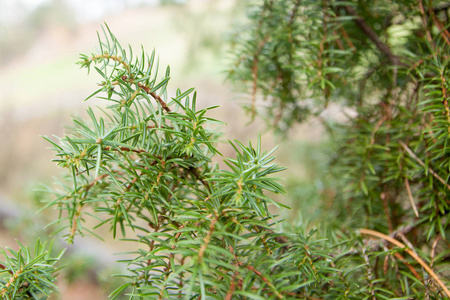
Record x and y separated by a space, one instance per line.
11 281
347 39
127 149
198 176
410 197
433 250
192 170
320 59
230 292
255 62
73 229
118 59
444 99
125 78
395 60
338 40
444 32
207 239
149 91
410 252
169 264
369 274
156 97
3 267
408 265
425 23
80 207
258 273
255 66
385 198
263 278
413 155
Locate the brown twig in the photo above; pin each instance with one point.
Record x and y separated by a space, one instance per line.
395 60
81 204
410 252
127 149
156 97
230 292
370 273
444 32
255 61
257 273
263 278
149 91
433 250
169 265
3 267
347 39
385 195
125 78
385 198
445 99
408 265
410 197
376 128
192 170
414 156
338 41
425 23
118 59
11 281
207 239
320 60
198 176
255 67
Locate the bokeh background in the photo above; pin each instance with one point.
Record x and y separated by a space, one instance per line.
41 88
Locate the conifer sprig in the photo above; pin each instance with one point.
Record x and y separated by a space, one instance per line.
143 167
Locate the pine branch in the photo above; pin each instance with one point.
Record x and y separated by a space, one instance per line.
410 252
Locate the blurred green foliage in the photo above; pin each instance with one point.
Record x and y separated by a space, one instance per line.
382 65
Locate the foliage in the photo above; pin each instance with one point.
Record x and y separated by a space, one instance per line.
28 275
143 168
386 62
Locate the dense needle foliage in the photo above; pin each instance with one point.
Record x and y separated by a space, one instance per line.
384 63
143 167
26 274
